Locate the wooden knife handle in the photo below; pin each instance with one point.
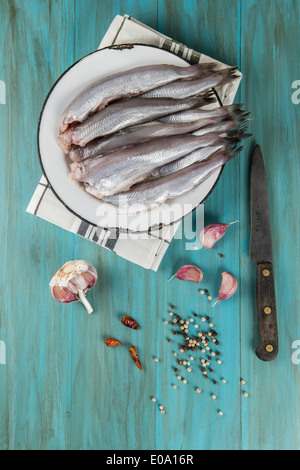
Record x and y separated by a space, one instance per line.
266 313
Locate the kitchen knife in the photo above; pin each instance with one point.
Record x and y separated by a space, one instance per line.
261 254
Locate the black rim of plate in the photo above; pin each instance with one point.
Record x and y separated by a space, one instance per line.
122 230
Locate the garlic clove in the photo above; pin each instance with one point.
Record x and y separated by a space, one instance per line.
228 287
189 272
62 294
72 281
212 233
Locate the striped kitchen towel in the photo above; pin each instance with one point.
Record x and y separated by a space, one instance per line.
146 251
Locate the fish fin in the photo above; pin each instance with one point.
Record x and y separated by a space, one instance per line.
236 113
229 74
239 133
208 97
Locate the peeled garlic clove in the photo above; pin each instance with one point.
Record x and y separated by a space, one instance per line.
212 233
72 281
189 272
228 287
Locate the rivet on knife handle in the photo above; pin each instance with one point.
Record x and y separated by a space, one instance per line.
266 313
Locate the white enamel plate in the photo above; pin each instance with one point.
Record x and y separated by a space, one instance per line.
100 64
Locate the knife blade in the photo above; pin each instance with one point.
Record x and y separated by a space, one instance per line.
261 255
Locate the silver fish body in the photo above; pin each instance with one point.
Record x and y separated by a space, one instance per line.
219 127
185 88
215 141
132 82
233 112
121 169
197 156
121 115
152 193
129 137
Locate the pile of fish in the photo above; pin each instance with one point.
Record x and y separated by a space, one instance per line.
144 136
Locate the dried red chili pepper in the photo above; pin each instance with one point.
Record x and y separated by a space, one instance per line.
135 357
111 342
130 323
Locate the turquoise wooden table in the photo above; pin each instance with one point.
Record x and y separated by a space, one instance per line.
61 388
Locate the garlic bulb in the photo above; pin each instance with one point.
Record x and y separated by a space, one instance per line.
72 281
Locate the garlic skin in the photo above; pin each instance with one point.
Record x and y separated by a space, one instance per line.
212 233
189 272
228 287
72 281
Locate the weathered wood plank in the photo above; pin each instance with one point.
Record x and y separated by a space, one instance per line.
198 425
270 53
111 406
35 400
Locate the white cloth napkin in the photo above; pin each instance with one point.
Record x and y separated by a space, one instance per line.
146 252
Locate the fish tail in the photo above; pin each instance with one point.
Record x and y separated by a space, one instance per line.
236 113
229 74
209 67
203 69
238 150
238 133
208 97
231 152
